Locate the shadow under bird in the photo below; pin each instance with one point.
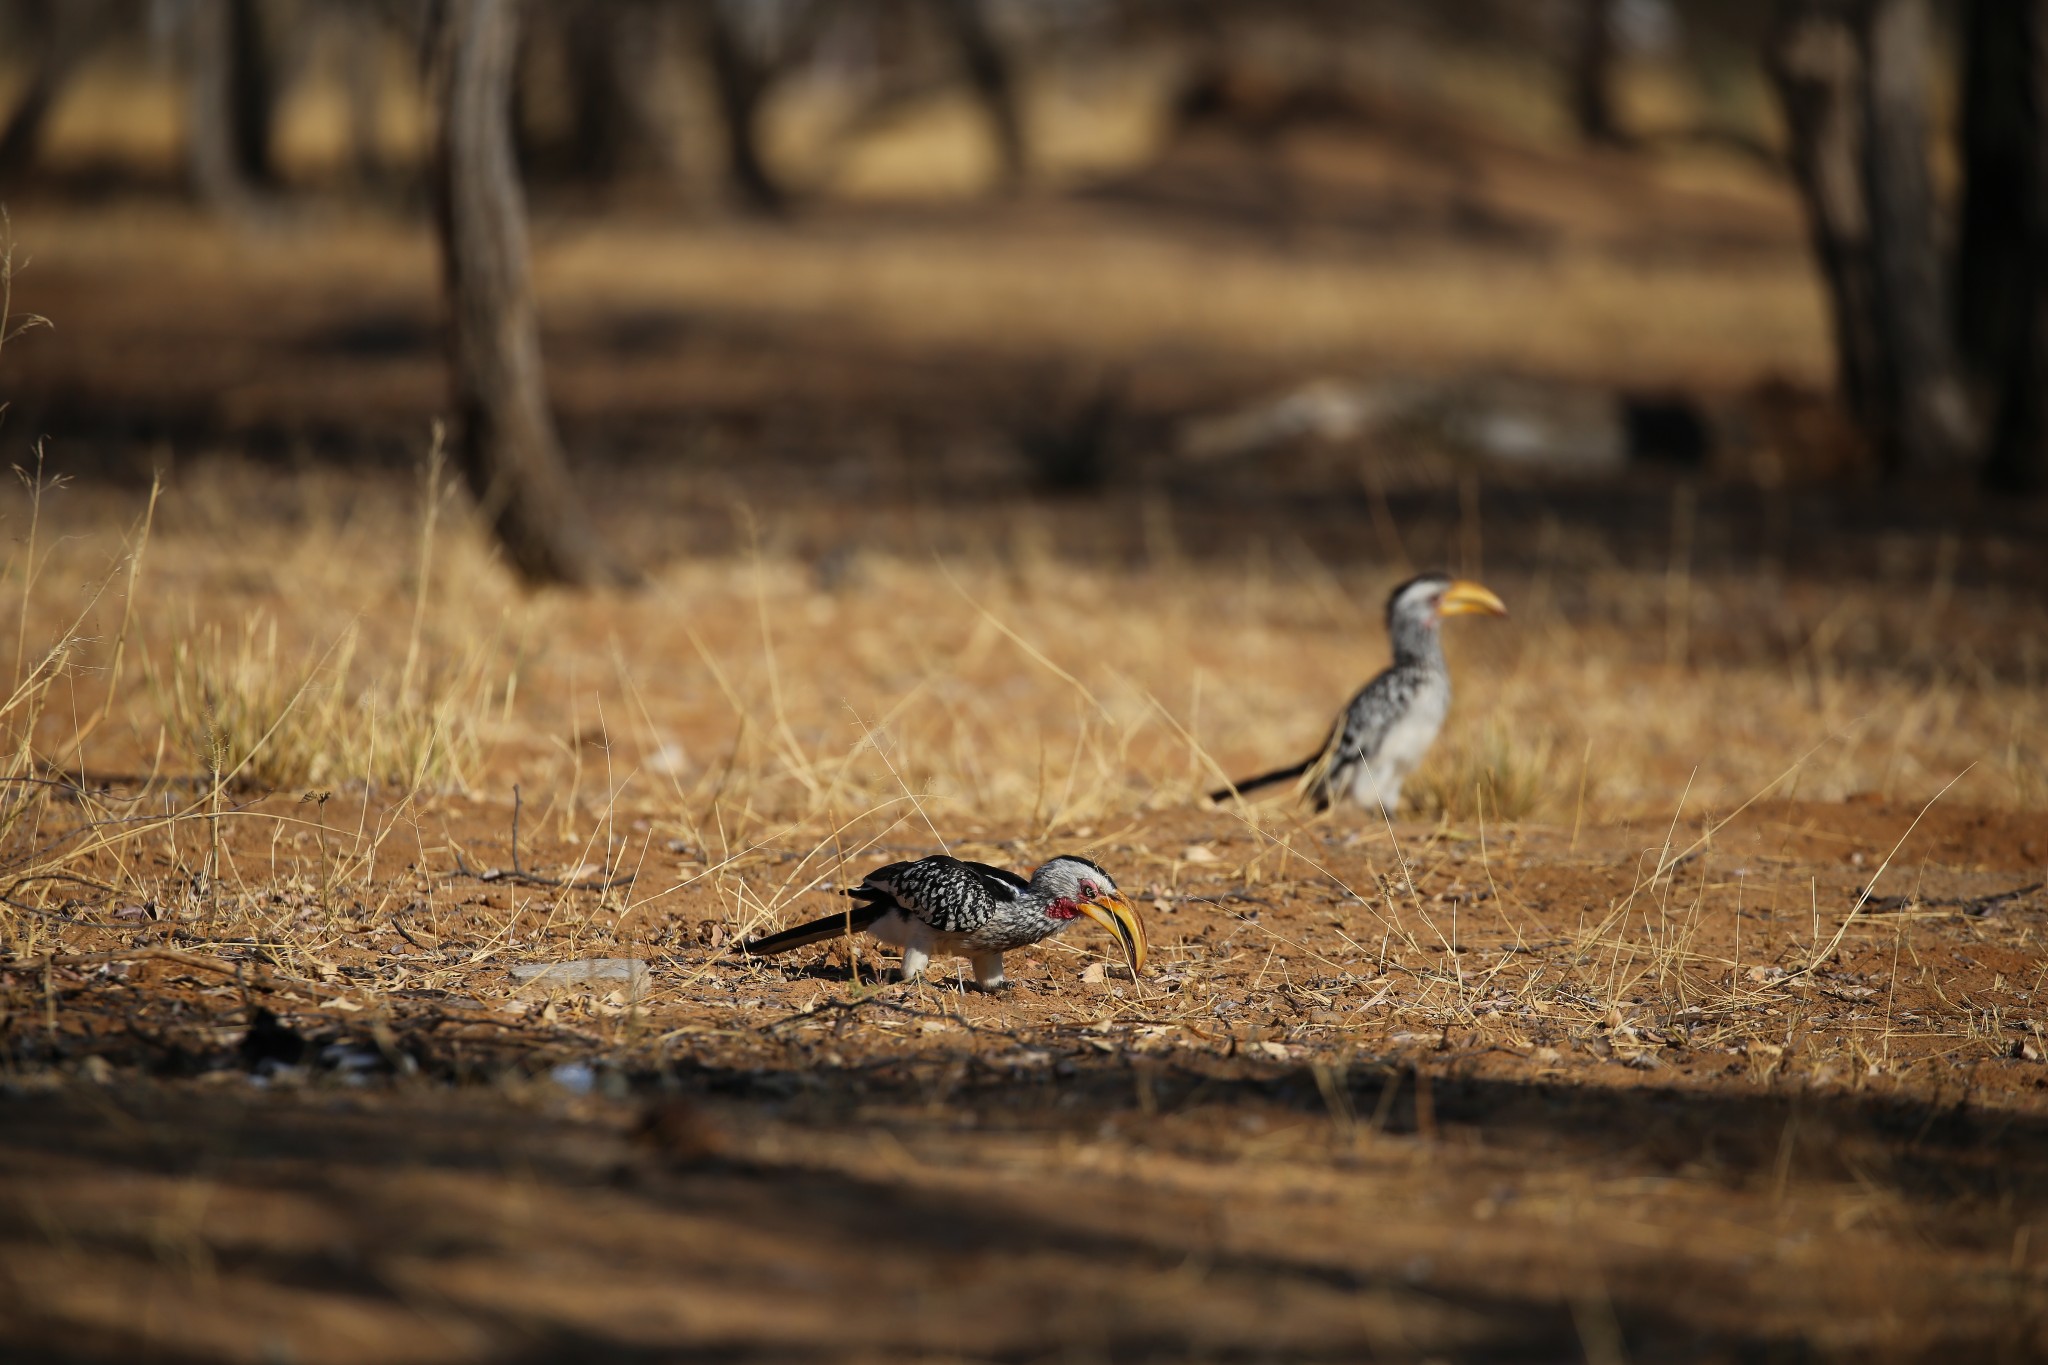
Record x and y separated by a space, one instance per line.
1388 727
943 906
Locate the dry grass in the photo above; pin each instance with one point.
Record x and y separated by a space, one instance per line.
1023 690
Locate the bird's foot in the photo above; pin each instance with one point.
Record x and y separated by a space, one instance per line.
988 971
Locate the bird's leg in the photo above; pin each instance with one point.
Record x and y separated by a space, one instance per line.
988 971
917 951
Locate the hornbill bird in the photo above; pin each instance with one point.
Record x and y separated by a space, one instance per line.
953 908
1393 720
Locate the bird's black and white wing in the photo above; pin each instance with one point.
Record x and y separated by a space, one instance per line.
878 888
943 893
950 896
1001 883
1359 733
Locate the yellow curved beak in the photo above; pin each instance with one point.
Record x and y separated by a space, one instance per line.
1116 914
1466 598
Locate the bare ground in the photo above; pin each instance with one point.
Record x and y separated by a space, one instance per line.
1679 1132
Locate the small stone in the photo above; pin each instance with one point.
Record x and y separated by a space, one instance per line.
578 1078
588 971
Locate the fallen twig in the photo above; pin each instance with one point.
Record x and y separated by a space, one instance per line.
519 876
1969 905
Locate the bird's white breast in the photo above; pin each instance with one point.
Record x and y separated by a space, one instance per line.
1406 743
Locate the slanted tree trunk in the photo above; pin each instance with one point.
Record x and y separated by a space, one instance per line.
1817 68
1592 73
231 101
990 72
2018 460
64 30
1851 75
505 439
1926 426
740 82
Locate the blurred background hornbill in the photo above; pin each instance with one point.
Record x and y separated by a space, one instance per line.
942 905
1388 727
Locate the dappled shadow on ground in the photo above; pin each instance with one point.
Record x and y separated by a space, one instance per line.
1127 1209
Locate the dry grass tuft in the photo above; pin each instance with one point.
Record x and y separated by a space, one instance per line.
243 713
1496 773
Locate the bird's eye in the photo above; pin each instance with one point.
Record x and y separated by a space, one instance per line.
1088 888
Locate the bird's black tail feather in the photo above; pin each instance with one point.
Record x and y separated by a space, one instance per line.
1252 784
818 930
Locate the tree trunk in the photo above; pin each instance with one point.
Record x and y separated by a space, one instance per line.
2019 446
232 100
1817 68
600 121
1592 73
740 82
362 38
505 442
1998 178
1851 75
1926 427
64 28
616 126
990 72
252 92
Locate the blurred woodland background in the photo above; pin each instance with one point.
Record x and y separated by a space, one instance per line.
1643 158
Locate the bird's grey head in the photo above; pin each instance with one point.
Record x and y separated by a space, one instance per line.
1416 599
1414 608
1074 877
1073 885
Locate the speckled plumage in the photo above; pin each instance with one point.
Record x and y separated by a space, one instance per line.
945 906
1388 726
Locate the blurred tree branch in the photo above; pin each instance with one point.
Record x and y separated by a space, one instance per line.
64 30
991 74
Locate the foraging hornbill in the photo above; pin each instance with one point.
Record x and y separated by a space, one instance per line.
953 908
1388 727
